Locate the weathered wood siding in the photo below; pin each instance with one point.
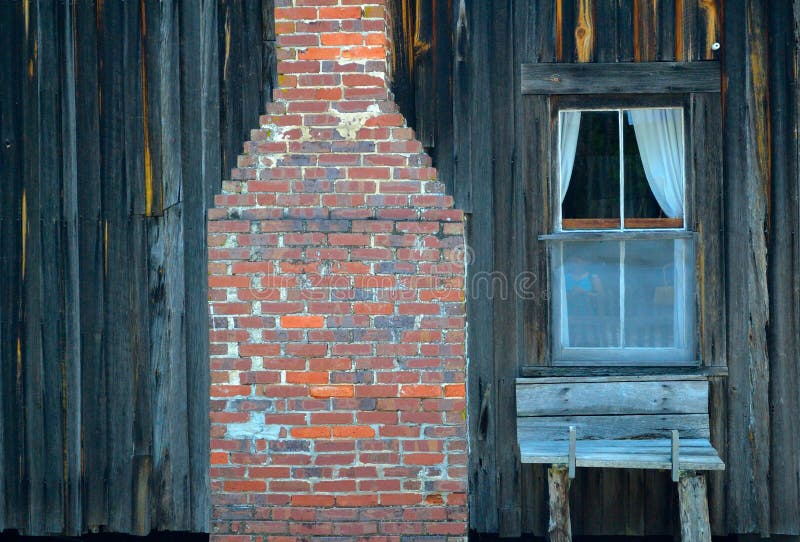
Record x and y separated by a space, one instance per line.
492 148
118 121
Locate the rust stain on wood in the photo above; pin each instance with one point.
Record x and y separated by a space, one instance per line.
32 59
584 32
24 229
761 117
559 22
645 27
26 15
711 19
148 161
679 51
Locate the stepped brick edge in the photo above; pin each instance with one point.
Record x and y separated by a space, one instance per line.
336 298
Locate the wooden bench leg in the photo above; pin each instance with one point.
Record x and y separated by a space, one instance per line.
560 528
695 526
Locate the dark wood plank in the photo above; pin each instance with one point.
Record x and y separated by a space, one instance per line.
72 337
746 181
118 193
665 30
165 267
91 233
463 82
606 31
32 372
625 30
504 100
706 166
474 163
626 78
51 258
232 131
783 277
193 186
424 74
442 51
12 79
138 76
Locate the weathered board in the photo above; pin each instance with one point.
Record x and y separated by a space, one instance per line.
744 147
618 78
111 115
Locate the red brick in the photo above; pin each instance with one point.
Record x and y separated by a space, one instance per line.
302 321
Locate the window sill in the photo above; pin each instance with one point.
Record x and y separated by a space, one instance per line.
626 371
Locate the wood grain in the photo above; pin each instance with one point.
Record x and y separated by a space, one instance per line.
611 78
605 398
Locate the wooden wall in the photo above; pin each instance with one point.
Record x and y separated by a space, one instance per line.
489 143
118 121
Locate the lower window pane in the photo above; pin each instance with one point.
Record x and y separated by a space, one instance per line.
590 314
623 302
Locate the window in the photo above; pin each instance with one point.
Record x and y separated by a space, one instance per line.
621 257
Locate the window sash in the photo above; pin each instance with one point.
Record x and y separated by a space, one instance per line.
681 350
622 223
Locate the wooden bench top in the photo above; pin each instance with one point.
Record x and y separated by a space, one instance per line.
619 422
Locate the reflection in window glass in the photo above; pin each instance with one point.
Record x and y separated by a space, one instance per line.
623 300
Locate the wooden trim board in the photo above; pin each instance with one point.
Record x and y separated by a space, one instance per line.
621 77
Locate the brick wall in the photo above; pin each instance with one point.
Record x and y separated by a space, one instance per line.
336 275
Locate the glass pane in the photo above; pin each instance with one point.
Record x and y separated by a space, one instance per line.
650 293
651 280
654 168
588 278
639 199
593 191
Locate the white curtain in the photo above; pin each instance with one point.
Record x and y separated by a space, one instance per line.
570 126
659 135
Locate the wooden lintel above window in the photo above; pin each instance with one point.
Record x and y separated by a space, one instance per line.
621 78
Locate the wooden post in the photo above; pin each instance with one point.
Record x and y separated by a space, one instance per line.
693 508
560 528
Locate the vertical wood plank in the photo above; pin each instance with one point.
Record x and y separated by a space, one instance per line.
474 163
783 277
504 101
91 239
12 80
585 31
194 263
746 154
31 343
72 335
606 31
625 31
118 196
167 295
645 30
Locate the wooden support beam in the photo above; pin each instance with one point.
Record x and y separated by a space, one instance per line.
675 456
560 528
572 445
693 504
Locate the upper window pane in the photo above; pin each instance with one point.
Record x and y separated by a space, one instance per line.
593 190
622 169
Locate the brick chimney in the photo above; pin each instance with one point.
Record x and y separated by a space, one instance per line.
336 295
